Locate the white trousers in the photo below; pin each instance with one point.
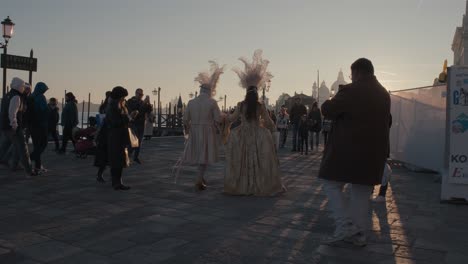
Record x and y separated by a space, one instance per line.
353 209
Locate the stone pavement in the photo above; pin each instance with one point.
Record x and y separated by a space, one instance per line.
66 217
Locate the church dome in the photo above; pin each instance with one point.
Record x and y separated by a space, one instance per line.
339 81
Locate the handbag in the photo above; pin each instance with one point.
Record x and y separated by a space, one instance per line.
132 139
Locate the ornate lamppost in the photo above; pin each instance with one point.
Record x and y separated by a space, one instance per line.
8 29
267 87
158 92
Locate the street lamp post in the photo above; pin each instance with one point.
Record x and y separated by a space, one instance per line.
158 92
225 102
8 29
267 87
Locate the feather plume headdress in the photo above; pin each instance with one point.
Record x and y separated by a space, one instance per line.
255 73
209 80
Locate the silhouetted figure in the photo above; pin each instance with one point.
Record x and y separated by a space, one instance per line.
69 120
138 109
356 150
117 123
54 117
297 110
315 123
39 128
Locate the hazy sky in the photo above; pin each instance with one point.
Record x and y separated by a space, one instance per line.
93 45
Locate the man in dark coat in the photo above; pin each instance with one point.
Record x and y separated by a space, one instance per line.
69 120
297 111
356 150
39 123
138 109
54 117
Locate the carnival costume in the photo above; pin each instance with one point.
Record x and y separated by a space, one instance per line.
200 119
252 166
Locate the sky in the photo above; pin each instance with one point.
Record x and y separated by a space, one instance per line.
90 46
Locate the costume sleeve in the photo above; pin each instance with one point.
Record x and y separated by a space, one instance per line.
234 116
268 123
187 118
15 104
217 113
334 107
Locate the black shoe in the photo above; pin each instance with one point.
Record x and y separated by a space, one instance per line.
100 179
121 187
137 160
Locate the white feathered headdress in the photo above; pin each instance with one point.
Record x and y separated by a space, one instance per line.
209 80
255 73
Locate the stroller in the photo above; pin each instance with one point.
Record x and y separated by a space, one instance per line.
85 144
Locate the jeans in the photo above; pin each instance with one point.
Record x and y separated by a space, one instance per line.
283 136
304 146
139 133
67 135
295 135
5 143
317 138
39 138
55 136
116 174
19 149
325 138
354 210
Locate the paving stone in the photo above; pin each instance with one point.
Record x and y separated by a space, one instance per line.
49 251
84 257
4 251
62 217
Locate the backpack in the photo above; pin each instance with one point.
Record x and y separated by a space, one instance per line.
28 115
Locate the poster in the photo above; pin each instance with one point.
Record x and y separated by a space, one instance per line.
458 126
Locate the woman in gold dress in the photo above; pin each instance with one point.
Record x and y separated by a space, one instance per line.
252 166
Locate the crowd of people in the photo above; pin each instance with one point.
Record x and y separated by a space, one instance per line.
26 115
356 145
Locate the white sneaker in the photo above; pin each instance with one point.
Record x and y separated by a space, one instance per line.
379 199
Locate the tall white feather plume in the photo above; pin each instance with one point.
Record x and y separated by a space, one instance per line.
209 80
254 73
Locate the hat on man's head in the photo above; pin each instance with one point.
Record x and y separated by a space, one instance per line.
118 92
17 83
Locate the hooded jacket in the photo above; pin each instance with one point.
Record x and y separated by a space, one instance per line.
37 102
12 106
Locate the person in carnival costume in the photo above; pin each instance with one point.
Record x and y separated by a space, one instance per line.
252 167
200 125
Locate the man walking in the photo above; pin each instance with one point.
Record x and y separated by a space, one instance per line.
356 150
297 111
39 123
12 124
283 125
138 109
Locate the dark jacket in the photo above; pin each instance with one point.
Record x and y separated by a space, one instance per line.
70 114
143 109
101 158
296 112
103 106
358 143
37 102
5 119
315 120
117 135
303 128
53 118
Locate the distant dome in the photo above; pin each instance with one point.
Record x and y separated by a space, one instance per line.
339 81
